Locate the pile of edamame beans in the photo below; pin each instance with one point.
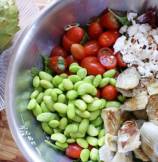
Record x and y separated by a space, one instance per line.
69 110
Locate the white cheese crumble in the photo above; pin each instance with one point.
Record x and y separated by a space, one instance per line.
139 48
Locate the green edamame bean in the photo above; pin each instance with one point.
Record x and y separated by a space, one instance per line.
71 111
70 140
101 133
45 117
92 141
57 80
56 130
39 89
113 104
46 84
45 76
71 128
58 137
40 97
38 110
57 91
121 98
94 154
64 75
85 153
78 135
104 82
63 123
94 115
54 123
95 105
101 141
67 84
54 146
112 81
82 73
103 103
61 87
77 119
60 108
36 81
61 145
87 88
46 128
74 67
77 84
61 98
81 105
44 107
97 122
92 131
83 114
32 104
82 142
97 80
109 73
34 94
87 98
89 79
72 94
49 102
74 78
48 92
83 127
54 96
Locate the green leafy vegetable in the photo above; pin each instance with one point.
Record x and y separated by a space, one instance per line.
85 39
46 64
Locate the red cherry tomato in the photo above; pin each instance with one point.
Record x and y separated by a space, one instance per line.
58 64
120 61
67 43
105 51
91 48
75 34
70 59
78 51
108 38
98 93
94 30
109 93
92 65
73 151
109 21
58 51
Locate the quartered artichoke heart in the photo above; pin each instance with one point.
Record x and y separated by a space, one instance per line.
128 79
149 137
122 157
139 154
112 120
152 109
138 102
128 137
152 88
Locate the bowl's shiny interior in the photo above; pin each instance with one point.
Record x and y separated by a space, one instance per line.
39 40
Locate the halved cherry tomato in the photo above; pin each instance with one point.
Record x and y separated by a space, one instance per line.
73 151
78 51
58 64
120 61
94 30
92 65
75 34
98 93
70 59
66 42
109 21
58 51
105 51
91 48
108 38
109 93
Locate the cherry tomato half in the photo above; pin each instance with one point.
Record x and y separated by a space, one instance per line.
67 43
70 59
78 51
91 48
75 34
58 51
120 61
94 30
58 64
109 21
73 151
105 51
108 38
109 93
92 65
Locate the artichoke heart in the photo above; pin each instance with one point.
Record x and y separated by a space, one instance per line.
128 137
112 120
153 88
139 154
122 157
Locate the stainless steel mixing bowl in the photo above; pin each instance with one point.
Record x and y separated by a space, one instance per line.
39 40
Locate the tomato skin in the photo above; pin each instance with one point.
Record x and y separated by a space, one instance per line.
70 59
73 151
58 51
91 48
109 93
58 64
94 30
75 34
109 21
108 38
92 65
98 93
67 43
78 51
105 51
120 61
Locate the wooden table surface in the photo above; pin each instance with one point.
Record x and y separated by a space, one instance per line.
8 149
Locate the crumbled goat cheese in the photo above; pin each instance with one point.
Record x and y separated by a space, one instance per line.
139 48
